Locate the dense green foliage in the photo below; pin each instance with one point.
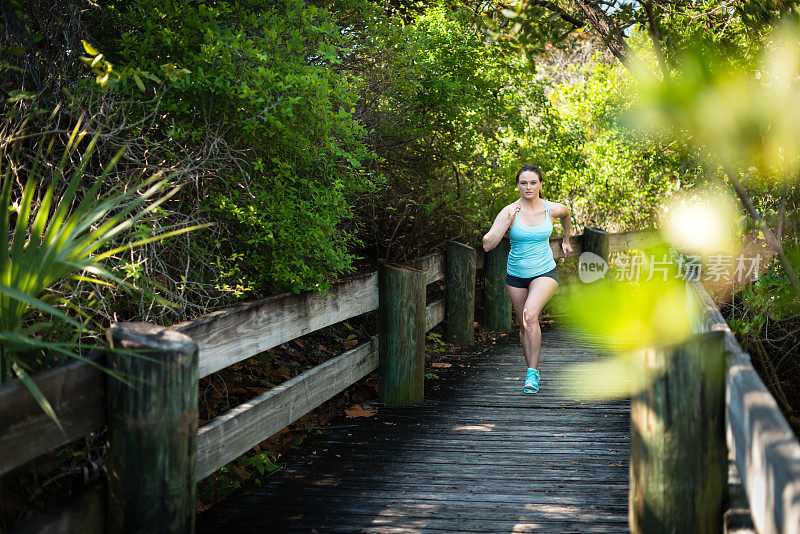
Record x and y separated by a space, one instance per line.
612 177
302 130
266 76
315 133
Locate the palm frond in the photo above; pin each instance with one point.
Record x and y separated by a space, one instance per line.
43 403
55 239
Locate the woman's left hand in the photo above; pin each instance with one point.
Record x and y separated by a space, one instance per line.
566 248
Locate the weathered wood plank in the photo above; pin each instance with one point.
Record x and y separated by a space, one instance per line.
434 314
77 393
466 493
433 265
426 449
635 239
229 336
422 471
235 432
711 318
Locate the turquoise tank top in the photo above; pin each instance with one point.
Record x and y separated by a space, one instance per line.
530 253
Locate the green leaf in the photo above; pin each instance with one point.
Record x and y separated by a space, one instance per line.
43 403
38 304
138 81
92 51
18 94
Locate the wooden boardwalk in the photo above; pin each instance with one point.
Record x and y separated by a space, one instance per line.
476 456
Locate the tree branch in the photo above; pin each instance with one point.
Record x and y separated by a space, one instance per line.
653 30
772 241
612 36
565 16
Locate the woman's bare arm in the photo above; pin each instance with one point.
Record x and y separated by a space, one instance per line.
501 223
560 211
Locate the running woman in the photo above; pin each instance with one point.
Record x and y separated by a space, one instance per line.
531 275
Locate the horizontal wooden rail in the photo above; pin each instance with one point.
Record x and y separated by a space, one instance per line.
766 449
232 434
636 239
76 391
434 314
230 336
433 265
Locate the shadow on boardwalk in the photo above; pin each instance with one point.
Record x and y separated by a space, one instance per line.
476 456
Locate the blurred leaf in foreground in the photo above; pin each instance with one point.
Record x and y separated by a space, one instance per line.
624 317
746 119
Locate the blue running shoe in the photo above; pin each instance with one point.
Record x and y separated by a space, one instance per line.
531 381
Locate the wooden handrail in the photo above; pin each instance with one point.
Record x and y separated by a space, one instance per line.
767 451
229 336
77 393
76 390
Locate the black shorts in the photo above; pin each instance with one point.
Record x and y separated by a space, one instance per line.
524 283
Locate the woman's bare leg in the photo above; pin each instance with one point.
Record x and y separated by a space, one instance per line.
539 292
518 296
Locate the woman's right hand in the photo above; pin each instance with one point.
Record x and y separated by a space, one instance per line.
513 209
502 222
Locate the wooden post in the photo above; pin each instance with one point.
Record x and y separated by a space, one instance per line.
496 304
152 429
460 294
597 241
678 471
401 334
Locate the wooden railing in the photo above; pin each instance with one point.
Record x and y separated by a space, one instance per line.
704 397
766 450
77 390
